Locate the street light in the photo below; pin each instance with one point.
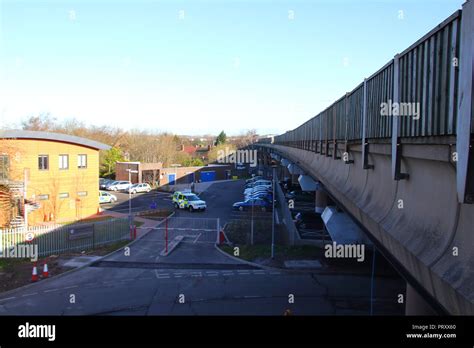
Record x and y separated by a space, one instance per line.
273 208
130 219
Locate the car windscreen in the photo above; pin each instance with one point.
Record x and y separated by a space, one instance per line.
192 198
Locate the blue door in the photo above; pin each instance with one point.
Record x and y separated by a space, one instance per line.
208 176
171 179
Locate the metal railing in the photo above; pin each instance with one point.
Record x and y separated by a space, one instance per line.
427 75
56 239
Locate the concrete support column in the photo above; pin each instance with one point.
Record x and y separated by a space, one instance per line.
415 304
321 201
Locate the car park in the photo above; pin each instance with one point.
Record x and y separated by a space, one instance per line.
135 188
256 203
262 195
188 200
253 179
106 197
258 183
252 189
118 186
104 182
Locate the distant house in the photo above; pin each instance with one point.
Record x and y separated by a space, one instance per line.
197 151
47 177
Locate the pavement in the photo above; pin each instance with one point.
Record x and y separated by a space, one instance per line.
197 279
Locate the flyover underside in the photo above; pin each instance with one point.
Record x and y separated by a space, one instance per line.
419 220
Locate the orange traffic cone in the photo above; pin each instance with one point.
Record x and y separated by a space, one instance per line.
34 275
45 270
221 237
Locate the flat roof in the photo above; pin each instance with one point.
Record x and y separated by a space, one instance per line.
65 138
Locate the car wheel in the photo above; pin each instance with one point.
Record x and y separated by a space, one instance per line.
176 205
191 209
241 208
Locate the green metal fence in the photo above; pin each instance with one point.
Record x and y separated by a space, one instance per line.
56 239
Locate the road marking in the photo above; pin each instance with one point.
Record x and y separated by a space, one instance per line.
70 287
199 235
8 298
32 294
251 296
259 272
243 272
51 290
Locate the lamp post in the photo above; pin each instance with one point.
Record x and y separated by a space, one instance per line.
273 208
130 218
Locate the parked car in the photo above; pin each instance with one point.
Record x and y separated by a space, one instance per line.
104 182
300 196
106 197
262 195
118 186
253 179
251 189
144 187
256 203
188 200
258 183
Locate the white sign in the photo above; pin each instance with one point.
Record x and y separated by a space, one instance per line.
29 236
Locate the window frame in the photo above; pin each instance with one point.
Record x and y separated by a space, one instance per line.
42 157
79 156
61 162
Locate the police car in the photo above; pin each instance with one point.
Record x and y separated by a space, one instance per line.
188 200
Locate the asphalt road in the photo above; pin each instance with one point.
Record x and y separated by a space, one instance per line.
196 279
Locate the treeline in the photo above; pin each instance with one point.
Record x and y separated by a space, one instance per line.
136 145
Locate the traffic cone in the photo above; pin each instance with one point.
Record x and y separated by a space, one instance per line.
45 270
221 237
34 275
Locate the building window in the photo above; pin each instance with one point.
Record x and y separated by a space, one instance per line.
63 161
82 193
43 197
43 162
4 164
81 161
64 195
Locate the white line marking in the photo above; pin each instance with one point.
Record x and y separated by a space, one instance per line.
8 298
199 235
243 272
51 290
70 287
32 294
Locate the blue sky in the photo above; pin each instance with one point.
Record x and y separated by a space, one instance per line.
198 66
